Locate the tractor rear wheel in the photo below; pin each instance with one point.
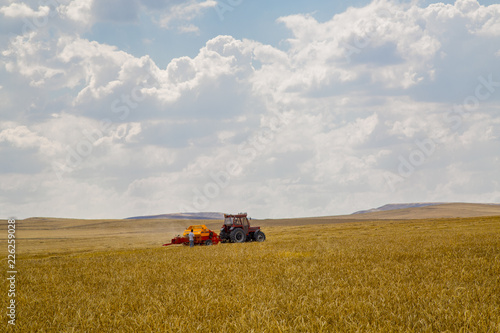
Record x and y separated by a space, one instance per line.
208 242
237 236
259 236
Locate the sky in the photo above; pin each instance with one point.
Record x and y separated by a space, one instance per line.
111 109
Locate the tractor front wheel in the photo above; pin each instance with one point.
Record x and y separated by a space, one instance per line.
259 236
208 242
237 236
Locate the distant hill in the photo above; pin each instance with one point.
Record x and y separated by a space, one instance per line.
399 206
428 210
416 210
182 216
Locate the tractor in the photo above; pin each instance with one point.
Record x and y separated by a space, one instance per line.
237 229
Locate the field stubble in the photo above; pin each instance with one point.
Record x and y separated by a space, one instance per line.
412 276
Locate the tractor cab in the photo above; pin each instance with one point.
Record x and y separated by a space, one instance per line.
237 229
236 221
228 220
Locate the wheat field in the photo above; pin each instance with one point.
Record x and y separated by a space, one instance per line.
439 275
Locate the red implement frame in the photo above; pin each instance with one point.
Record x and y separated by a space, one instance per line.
198 240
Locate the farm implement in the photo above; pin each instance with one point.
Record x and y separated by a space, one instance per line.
202 236
235 229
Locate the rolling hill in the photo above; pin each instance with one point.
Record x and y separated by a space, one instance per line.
182 216
417 210
430 210
399 206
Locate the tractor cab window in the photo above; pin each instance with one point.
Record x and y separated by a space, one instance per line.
244 222
228 221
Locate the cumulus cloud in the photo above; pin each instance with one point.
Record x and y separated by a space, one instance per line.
79 11
23 10
382 103
22 137
389 44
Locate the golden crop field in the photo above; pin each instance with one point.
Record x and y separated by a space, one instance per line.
440 275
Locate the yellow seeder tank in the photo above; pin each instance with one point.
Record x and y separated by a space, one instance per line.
198 231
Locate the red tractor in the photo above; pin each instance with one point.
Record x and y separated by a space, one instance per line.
237 229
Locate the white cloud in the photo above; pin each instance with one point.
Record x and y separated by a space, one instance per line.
79 11
19 10
191 28
25 55
393 45
23 138
186 11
